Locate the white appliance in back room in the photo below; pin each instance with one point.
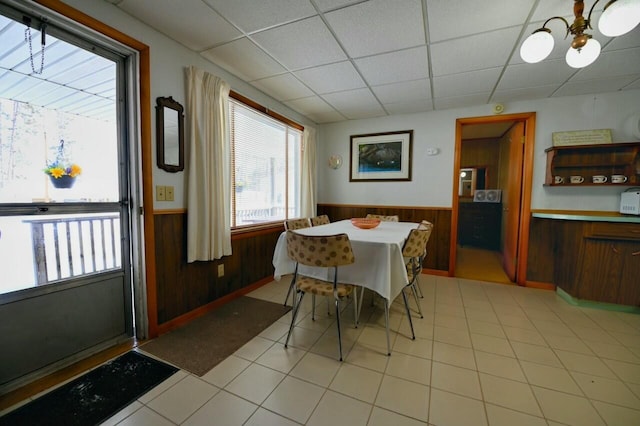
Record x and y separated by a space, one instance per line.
630 201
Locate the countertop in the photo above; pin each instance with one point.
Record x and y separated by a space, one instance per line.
588 216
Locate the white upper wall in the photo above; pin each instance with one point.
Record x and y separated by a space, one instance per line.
168 62
432 176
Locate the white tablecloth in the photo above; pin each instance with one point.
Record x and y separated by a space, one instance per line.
378 256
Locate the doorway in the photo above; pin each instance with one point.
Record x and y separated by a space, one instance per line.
491 202
65 192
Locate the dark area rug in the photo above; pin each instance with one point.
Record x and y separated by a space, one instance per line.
96 396
204 342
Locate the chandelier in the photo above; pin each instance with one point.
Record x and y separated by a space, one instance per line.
618 18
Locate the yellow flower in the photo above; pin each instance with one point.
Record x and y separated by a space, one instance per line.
75 170
56 172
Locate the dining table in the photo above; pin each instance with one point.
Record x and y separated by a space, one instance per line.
379 265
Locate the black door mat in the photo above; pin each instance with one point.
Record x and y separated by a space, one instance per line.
95 396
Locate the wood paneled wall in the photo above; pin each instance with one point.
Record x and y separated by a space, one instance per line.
438 246
183 287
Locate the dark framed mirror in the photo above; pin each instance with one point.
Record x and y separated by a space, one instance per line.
170 134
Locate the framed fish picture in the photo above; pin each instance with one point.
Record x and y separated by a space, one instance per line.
381 156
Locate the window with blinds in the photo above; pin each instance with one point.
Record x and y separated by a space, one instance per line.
266 158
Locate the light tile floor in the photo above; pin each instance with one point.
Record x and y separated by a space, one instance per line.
485 354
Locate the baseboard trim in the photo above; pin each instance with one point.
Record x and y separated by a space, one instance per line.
540 285
596 305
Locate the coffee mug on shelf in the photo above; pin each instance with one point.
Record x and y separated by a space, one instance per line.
599 179
618 178
558 179
576 179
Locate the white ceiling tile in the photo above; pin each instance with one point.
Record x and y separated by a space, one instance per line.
523 94
331 78
302 44
403 92
408 107
355 103
584 87
461 101
612 64
457 18
310 105
634 85
283 87
378 26
554 71
191 22
482 81
325 5
252 15
244 59
327 117
481 51
404 65
626 41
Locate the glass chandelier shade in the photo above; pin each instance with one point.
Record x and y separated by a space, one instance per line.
618 18
537 46
580 58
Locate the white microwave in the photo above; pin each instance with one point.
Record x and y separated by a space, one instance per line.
630 201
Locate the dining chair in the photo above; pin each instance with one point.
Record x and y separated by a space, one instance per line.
383 218
413 248
293 224
323 219
328 251
424 224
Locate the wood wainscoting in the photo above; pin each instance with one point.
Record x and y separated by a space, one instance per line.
183 288
437 260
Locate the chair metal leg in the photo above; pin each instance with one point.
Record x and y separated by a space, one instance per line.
356 312
289 292
313 307
420 294
294 316
339 329
415 296
406 306
386 320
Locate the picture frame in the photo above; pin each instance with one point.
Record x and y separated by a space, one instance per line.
381 156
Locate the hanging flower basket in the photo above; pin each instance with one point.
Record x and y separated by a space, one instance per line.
64 181
61 171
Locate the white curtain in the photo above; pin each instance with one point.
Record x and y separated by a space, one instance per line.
308 187
209 186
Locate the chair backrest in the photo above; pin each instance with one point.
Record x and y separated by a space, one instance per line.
425 224
416 243
323 219
293 224
321 251
383 218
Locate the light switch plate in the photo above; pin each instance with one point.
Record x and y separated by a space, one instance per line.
160 193
168 193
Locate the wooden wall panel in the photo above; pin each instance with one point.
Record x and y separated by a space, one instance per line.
183 287
540 260
438 246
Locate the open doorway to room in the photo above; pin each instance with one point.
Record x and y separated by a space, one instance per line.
491 200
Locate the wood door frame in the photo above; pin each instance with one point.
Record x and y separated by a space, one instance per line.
529 119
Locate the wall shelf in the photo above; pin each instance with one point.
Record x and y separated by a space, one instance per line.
593 160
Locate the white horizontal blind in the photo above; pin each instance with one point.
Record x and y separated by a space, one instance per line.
265 166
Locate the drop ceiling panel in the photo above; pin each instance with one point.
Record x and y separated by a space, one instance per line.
244 59
410 64
458 18
326 5
482 81
192 22
331 78
612 64
526 93
303 44
252 15
378 26
476 52
403 92
585 87
459 101
408 107
533 75
283 87
355 103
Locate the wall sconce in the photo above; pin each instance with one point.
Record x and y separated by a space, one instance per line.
335 161
618 18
